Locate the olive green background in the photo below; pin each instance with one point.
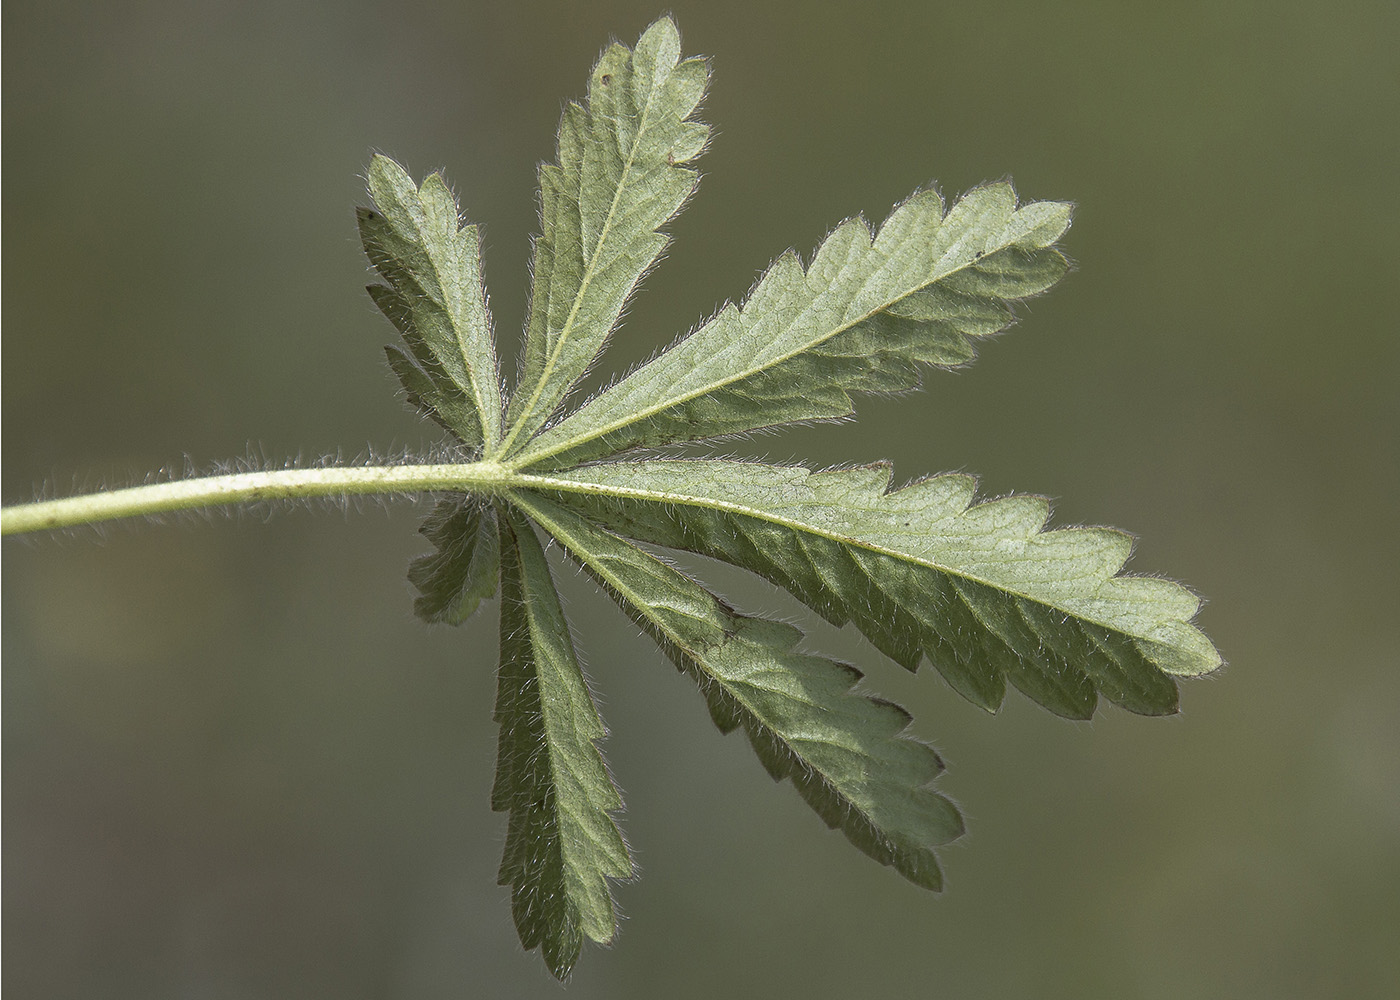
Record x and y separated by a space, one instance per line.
234 764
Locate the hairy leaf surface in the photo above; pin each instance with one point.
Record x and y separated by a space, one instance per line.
619 178
842 750
453 581
982 590
562 845
860 318
435 298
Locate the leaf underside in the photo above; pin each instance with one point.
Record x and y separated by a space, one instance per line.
562 844
862 317
842 750
621 175
453 581
981 590
435 298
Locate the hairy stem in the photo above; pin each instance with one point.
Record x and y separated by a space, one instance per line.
251 487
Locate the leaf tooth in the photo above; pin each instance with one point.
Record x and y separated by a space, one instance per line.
692 140
1180 649
1038 225
1020 515
1036 671
946 628
1169 600
780 288
922 211
658 51
1126 677
1070 559
1009 274
844 246
948 493
872 479
684 90
970 226
439 208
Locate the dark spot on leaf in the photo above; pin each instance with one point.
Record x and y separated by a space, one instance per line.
605 79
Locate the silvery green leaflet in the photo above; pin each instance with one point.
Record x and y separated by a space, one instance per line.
980 590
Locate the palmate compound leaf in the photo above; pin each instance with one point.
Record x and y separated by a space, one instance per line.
434 297
981 590
621 176
860 318
844 751
562 845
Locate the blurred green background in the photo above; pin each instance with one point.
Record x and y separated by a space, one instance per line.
235 766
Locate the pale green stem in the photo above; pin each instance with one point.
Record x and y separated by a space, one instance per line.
251 487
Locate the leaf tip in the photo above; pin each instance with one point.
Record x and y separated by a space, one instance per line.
661 36
384 172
